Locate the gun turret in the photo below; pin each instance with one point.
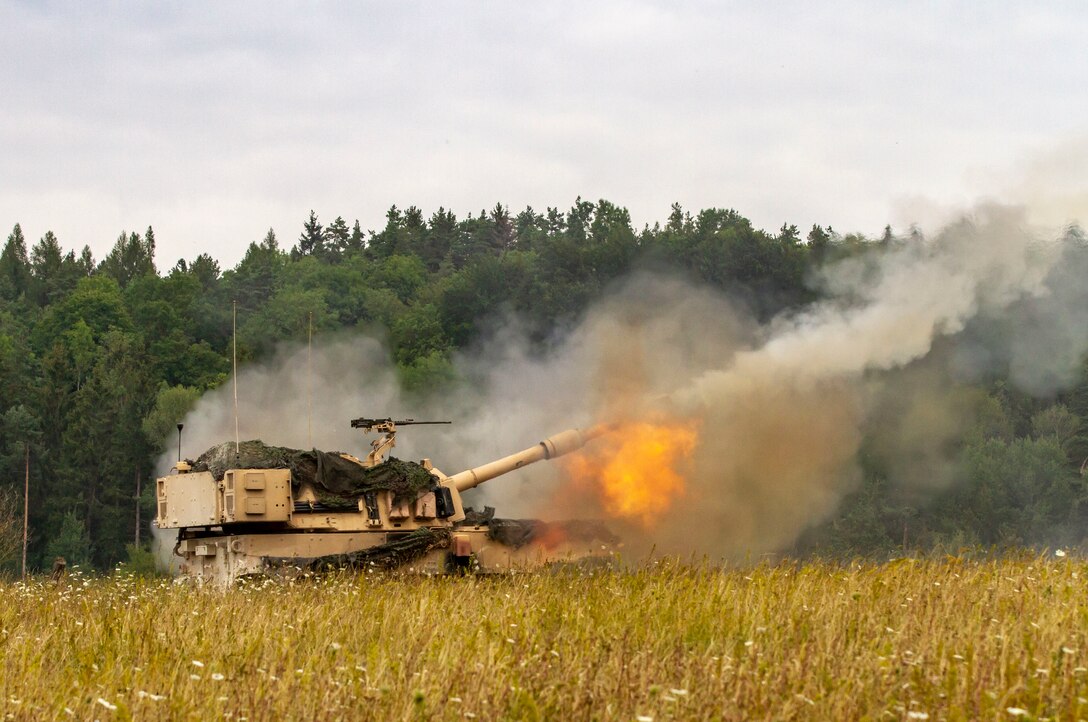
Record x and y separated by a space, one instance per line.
562 443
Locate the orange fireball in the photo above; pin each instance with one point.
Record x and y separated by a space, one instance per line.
636 470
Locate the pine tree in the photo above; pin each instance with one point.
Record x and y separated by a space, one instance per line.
46 266
86 262
312 240
14 266
357 241
337 237
131 257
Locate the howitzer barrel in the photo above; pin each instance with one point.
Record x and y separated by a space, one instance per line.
562 443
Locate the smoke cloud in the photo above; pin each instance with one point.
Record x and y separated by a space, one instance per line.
781 409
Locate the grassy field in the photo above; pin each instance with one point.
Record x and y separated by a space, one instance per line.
935 639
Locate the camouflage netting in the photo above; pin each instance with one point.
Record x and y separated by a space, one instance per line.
517 533
395 553
337 481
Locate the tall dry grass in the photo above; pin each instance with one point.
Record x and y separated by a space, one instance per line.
936 639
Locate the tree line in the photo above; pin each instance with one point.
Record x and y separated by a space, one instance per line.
99 359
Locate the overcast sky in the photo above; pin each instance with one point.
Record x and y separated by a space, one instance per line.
212 121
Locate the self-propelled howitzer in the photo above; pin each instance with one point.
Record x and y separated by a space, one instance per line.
247 508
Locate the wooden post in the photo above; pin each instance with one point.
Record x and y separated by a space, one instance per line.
26 504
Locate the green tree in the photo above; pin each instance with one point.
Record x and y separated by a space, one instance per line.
131 257
172 404
337 238
1058 424
312 240
14 266
47 268
205 270
255 279
71 541
11 527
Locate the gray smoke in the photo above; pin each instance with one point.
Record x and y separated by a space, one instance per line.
781 408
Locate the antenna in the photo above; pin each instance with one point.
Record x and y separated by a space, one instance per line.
180 427
237 443
310 382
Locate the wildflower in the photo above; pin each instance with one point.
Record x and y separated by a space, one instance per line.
334 646
197 663
194 677
1068 650
1059 553
1016 711
107 705
218 677
679 692
644 718
917 715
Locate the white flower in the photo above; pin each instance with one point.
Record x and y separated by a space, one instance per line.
218 677
1059 553
644 718
917 715
197 663
679 692
107 705
1016 711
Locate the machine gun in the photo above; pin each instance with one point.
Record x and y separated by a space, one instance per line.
388 428
387 424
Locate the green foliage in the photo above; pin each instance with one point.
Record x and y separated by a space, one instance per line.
132 257
11 527
427 374
172 403
69 541
140 561
14 266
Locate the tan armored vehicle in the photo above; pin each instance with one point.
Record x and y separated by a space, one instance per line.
249 508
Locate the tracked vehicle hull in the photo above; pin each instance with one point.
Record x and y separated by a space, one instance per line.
224 558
